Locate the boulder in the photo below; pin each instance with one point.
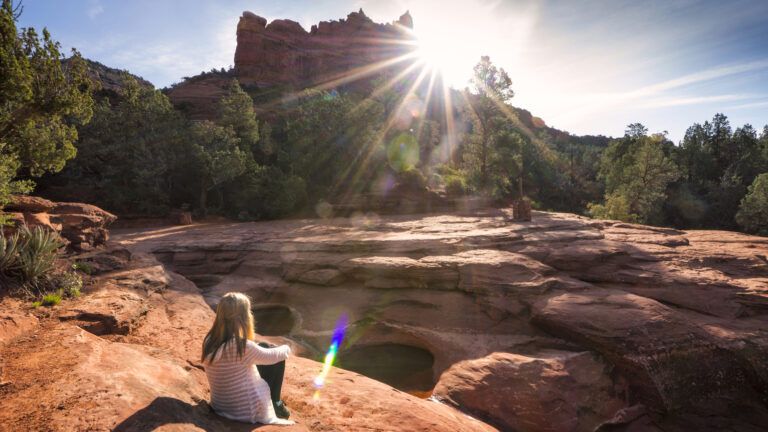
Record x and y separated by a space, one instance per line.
553 392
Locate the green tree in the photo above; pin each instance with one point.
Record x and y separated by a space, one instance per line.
492 91
236 111
41 103
132 153
753 211
219 158
333 142
637 171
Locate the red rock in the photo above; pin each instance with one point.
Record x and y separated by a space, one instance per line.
679 317
29 204
144 373
560 392
84 209
282 53
42 220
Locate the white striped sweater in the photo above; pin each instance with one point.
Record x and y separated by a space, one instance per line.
237 390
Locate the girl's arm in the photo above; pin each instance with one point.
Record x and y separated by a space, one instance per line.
254 354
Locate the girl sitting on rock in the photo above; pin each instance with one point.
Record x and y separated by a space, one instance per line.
230 356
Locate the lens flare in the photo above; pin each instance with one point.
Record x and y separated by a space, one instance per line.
330 356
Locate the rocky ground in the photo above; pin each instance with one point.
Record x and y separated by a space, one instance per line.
563 323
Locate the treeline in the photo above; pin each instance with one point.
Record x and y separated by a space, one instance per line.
716 178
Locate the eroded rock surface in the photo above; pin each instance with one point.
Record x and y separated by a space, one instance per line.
125 357
677 318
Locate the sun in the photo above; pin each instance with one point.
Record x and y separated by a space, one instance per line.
436 54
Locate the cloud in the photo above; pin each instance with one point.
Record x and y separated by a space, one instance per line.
762 104
642 97
695 100
95 8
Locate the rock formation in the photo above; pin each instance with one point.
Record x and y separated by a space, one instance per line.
83 226
633 324
282 54
125 357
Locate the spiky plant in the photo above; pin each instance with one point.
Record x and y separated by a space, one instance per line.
9 254
38 250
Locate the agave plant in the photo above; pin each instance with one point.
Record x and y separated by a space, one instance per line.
9 254
38 250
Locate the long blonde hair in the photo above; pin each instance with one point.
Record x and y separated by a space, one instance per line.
234 320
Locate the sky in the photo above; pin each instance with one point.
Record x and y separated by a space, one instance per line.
587 67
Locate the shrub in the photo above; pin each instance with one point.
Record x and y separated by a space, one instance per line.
37 304
82 267
753 211
38 250
9 254
412 179
455 186
70 284
51 299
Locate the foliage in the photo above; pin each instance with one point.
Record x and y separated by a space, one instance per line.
455 186
333 142
38 251
488 114
412 179
9 254
265 192
70 284
753 211
637 171
236 112
82 267
41 103
51 299
138 169
218 157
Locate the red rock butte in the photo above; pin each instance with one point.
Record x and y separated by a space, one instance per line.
284 53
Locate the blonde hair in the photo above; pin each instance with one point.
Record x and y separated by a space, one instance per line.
234 322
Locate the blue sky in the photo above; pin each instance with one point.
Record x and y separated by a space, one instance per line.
588 67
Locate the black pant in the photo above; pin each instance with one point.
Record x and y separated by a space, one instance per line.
273 375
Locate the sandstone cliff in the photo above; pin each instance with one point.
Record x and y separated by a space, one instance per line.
282 52
283 55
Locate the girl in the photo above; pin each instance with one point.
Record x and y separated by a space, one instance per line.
230 355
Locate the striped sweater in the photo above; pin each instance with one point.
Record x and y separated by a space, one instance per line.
237 390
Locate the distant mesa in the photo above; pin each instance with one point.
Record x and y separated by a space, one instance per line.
282 53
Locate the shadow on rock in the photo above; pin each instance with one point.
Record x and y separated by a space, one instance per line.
171 411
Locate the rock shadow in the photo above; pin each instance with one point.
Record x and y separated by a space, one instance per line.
167 410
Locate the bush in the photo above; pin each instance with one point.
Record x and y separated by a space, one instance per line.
29 257
82 267
412 179
455 186
9 254
753 211
38 250
616 207
70 284
51 299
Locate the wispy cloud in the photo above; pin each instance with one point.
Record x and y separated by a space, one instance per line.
647 97
95 8
697 77
695 100
761 104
